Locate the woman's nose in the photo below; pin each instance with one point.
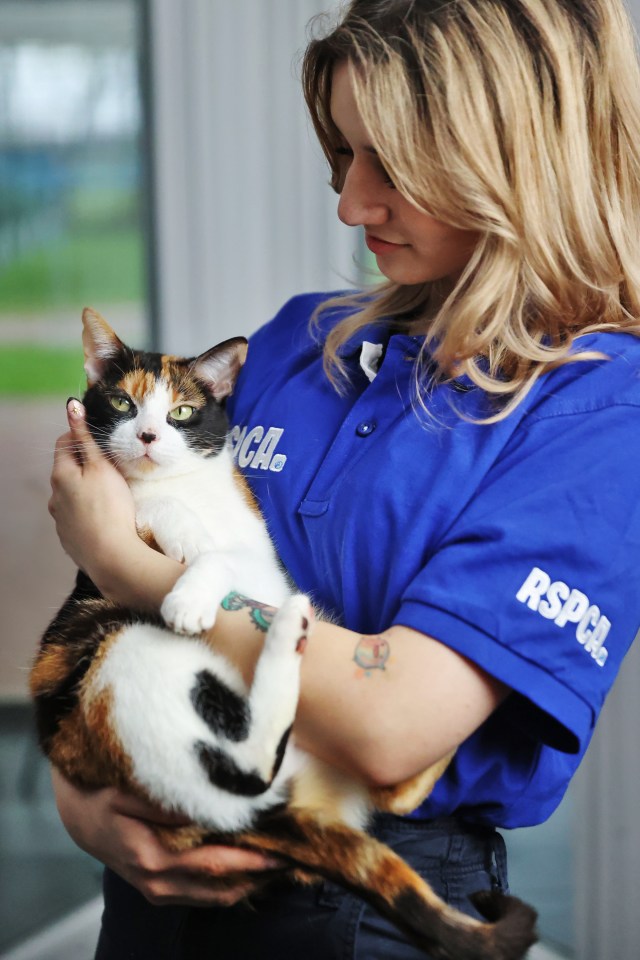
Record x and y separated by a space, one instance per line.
360 202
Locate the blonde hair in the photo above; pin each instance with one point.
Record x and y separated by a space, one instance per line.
518 119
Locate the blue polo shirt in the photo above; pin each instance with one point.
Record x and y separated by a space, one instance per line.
516 543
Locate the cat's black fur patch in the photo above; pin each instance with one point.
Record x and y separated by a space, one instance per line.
207 430
101 416
223 772
418 919
282 746
223 710
278 822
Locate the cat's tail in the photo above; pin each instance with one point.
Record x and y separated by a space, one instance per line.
374 872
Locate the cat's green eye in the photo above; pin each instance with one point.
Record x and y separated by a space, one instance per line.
183 412
121 404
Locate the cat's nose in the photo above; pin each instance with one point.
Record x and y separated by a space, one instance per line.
147 437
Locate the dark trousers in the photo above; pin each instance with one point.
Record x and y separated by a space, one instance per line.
310 923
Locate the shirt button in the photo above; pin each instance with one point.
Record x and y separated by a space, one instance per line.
365 428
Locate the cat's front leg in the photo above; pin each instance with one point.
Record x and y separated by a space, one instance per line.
191 606
175 528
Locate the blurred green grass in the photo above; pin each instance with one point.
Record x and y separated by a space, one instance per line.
90 267
30 370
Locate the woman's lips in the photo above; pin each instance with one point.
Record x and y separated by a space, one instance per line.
379 246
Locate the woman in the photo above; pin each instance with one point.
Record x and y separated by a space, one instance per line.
458 485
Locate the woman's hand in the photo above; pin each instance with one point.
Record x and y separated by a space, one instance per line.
90 502
116 828
95 519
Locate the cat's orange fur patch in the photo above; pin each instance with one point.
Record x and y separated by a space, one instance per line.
406 796
53 662
322 791
147 537
246 492
178 839
353 856
85 747
88 752
139 384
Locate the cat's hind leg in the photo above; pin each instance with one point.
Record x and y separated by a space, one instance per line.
259 726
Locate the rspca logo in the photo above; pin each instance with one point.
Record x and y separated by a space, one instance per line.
256 448
558 602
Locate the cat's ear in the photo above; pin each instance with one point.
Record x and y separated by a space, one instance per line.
100 344
220 366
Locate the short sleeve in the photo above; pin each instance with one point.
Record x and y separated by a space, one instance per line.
537 581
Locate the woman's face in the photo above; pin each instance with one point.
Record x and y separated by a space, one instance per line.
410 246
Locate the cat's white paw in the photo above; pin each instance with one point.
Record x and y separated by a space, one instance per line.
186 610
292 624
186 547
175 527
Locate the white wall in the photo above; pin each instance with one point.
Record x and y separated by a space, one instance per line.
245 218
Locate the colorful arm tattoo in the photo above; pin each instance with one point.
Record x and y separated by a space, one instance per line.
371 653
261 613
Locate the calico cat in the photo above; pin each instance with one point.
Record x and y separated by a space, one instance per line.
144 703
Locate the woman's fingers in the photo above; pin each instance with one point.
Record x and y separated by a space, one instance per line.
129 806
84 446
207 860
103 823
213 860
188 891
205 876
86 490
75 449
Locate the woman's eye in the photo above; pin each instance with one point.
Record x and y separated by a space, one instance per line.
385 175
183 412
343 156
387 179
121 404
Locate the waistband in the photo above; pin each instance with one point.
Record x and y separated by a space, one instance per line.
440 826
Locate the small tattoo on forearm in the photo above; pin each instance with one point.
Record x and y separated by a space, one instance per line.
371 653
261 613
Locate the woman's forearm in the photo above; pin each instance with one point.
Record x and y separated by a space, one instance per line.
389 706
385 707
382 707
136 576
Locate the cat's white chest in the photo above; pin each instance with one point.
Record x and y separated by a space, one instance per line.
208 495
204 519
